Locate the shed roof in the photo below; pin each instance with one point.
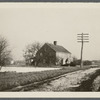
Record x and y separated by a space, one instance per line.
58 48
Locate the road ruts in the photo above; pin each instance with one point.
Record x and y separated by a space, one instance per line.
75 81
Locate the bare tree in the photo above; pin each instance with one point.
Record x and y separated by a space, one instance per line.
30 51
4 52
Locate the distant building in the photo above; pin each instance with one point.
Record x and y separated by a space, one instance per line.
52 54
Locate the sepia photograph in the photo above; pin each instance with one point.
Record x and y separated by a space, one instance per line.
49 48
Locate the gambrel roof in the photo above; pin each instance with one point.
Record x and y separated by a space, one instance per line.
58 48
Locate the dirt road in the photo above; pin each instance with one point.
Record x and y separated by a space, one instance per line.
70 82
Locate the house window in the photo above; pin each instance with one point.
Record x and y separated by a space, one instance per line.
40 54
44 49
44 61
50 53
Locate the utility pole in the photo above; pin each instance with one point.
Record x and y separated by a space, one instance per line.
82 38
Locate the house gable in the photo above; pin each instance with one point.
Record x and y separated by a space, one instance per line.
45 48
46 55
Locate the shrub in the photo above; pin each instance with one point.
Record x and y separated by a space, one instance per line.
73 63
87 62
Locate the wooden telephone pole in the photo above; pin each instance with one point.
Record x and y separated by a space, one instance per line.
82 38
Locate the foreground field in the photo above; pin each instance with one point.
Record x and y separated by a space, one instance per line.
9 80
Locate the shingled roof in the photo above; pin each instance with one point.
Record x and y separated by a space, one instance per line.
58 48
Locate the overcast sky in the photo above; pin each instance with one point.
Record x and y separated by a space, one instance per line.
22 24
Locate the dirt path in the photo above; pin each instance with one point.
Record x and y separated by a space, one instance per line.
69 82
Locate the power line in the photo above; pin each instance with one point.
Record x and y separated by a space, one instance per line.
82 38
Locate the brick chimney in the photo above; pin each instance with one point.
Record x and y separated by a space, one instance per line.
55 42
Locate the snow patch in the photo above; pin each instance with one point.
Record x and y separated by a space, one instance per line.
25 69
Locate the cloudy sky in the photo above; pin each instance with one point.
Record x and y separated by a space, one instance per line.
25 23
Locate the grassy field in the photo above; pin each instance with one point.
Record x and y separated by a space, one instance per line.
10 80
